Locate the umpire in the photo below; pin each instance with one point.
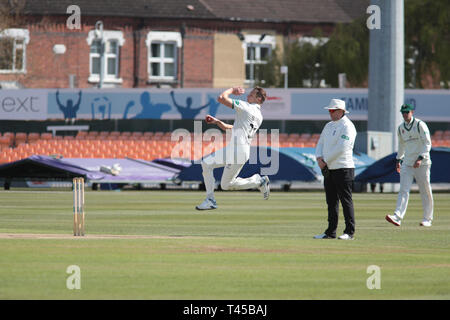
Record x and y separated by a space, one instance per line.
334 153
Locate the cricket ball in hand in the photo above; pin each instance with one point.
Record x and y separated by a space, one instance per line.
209 119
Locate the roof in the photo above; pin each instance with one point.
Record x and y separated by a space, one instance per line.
290 10
318 11
122 8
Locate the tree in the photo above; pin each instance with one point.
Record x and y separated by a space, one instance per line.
347 52
270 72
427 43
10 13
303 60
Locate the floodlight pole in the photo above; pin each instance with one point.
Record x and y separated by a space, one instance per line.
284 70
386 69
252 65
99 34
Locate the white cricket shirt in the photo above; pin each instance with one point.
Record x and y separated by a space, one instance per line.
247 122
414 141
336 142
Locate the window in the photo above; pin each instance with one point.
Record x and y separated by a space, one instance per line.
13 50
256 57
112 42
111 58
163 55
258 49
95 57
162 60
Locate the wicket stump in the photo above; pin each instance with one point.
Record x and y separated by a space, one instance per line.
78 207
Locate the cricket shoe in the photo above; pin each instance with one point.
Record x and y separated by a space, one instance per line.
426 223
208 204
323 236
346 236
394 219
264 187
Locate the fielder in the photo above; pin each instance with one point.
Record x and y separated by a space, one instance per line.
413 161
247 121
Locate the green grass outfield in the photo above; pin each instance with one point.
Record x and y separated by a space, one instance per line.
247 249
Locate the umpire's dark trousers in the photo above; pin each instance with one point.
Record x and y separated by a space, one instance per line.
338 186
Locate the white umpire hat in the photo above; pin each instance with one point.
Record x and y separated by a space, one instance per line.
336 104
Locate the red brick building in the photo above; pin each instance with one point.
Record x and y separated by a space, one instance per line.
173 43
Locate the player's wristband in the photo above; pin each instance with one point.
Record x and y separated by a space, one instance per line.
420 158
399 161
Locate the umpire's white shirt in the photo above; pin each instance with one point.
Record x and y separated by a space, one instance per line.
336 142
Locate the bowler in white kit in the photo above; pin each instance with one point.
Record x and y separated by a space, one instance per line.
247 121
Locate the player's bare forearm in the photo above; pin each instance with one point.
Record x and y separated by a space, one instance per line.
226 93
222 125
224 97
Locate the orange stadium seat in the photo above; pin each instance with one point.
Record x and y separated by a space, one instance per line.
81 134
10 137
33 137
305 136
315 137
46 136
111 137
158 134
21 137
5 142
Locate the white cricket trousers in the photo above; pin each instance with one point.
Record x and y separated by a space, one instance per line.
422 175
232 158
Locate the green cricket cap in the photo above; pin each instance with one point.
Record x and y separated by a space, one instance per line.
406 108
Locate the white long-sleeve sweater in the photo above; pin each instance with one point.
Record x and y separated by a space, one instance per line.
414 141
336 142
